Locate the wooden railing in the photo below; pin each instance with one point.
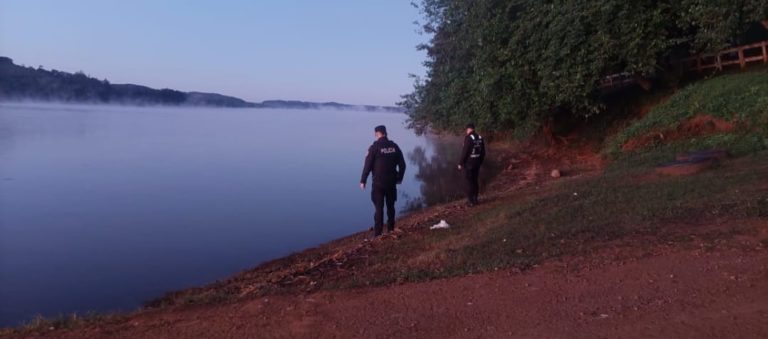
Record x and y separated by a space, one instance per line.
616 81
742 56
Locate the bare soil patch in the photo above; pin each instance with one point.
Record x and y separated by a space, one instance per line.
700 125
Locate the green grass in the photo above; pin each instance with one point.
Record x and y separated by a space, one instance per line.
738 144
575 217
740 98
609 207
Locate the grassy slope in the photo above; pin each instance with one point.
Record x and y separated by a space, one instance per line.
740 98
571 217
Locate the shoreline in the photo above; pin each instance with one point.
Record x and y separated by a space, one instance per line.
297 267
288 264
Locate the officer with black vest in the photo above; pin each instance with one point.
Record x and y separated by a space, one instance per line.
472 156
387 163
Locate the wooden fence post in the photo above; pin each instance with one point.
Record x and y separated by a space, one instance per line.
719 63
742 63
765 52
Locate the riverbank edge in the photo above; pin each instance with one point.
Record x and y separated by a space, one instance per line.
293 264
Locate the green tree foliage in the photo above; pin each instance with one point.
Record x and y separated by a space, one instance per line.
509 64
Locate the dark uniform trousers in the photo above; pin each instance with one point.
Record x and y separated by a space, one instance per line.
472 156
472 175
380 195
385 160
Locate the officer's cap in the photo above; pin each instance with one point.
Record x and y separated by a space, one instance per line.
381 129
471 125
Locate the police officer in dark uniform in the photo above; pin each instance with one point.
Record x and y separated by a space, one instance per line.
387 163
472 156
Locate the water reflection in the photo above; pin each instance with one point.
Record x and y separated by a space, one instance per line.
440 180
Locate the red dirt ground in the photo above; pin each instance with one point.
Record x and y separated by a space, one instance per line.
699 125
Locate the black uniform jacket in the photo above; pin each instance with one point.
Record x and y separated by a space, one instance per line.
387 163
473 152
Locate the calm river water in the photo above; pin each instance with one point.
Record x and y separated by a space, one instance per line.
103 208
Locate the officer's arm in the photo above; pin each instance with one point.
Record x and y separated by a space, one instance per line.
368 165
400 165
465 152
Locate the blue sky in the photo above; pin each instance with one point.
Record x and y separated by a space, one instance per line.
358 52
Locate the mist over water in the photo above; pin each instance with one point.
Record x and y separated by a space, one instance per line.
103 208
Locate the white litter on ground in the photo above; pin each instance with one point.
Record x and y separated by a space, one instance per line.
442 224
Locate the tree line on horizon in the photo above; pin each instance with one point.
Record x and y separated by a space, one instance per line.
28 83
509 65
20 83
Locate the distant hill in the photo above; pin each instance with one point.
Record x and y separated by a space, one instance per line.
27 83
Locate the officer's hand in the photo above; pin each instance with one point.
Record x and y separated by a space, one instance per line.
362 186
